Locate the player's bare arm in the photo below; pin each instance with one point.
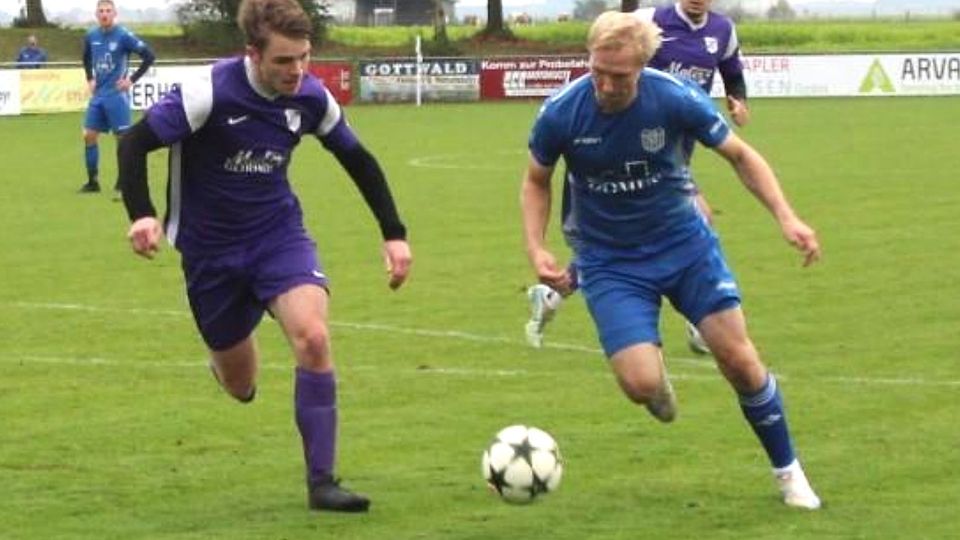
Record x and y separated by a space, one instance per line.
757 175
535 201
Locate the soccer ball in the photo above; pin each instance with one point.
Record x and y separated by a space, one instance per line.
522 463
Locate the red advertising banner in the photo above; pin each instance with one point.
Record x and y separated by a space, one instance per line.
337 77
528 77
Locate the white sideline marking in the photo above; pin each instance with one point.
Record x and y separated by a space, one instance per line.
202 365
447 334
467 161
385 328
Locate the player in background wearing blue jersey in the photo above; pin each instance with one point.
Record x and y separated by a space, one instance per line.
238 225
697 43
31 55
637 235
106 54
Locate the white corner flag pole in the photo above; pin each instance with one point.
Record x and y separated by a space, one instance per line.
419 72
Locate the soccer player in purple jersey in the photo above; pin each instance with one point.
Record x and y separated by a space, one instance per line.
697 43
239 227
637 236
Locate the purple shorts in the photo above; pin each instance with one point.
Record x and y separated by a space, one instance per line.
229 293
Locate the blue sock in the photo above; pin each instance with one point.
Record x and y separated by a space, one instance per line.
315 405
765 413
91 156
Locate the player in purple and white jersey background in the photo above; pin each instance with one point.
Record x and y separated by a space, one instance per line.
697 43
234 218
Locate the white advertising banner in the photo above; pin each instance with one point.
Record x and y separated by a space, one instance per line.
9 92
850 75
160 80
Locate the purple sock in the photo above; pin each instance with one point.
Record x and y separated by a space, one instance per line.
315 404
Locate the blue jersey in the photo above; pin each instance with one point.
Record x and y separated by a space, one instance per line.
106 53
230 146
695 50
31 57
629 182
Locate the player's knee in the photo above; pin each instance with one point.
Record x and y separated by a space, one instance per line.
90 137
741 366
313 345
639 391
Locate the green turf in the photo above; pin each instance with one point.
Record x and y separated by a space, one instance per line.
112 428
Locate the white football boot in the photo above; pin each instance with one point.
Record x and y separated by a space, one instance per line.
794 487
544 303
695 340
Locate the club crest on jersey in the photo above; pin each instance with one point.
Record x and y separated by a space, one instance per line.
711 44
293 119
653 140
112 46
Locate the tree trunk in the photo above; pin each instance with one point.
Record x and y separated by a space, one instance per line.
495 24
35 16
627 6
440 23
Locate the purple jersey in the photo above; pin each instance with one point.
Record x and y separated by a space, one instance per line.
695 50
230 145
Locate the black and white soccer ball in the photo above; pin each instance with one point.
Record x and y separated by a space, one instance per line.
522 463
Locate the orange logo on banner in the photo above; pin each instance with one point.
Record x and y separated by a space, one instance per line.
53 90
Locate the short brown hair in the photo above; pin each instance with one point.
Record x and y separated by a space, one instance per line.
614 31
257 19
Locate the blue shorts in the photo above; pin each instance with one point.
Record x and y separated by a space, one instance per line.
228 294
624 294
108 112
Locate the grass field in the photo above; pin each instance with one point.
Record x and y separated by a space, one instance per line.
112 428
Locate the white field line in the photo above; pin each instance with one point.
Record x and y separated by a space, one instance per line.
466 161
430 333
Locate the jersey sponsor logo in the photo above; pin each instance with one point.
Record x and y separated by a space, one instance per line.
234 120
255 162
106 64
293 119
700 75
586 141
634 177
712 44
653 140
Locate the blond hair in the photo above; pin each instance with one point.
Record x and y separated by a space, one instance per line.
614 30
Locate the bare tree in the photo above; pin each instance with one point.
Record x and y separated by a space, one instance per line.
34 14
